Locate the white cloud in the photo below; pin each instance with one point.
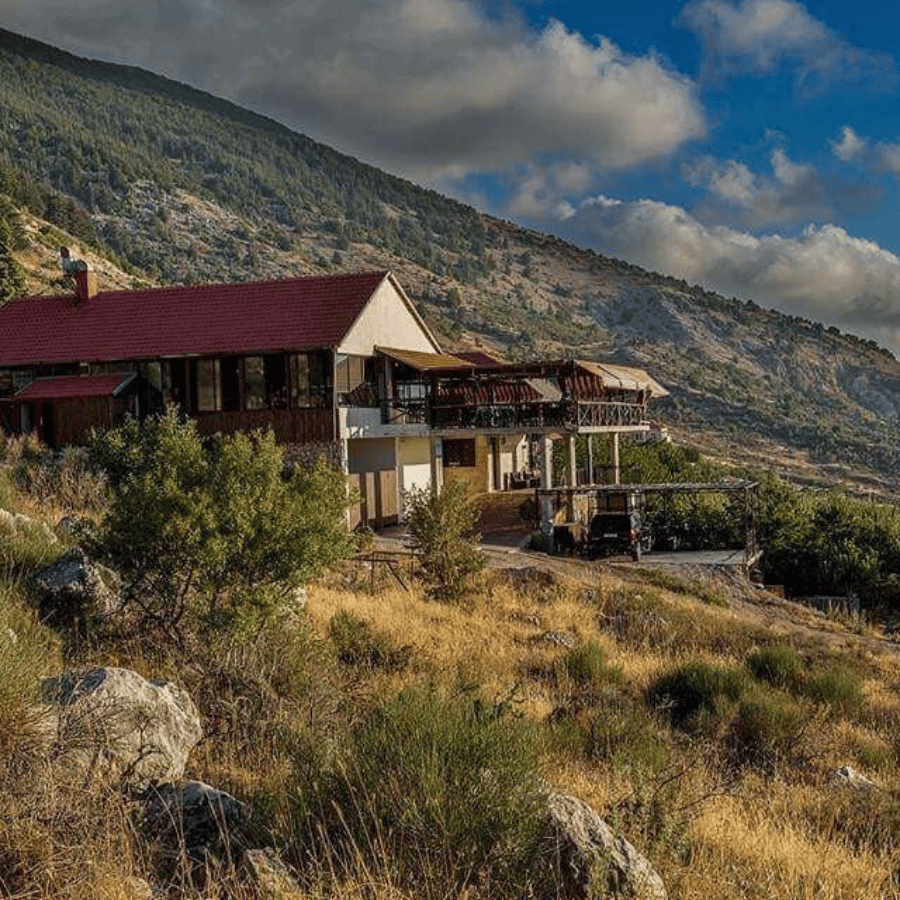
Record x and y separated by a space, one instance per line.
882 156
849 146
793 193
541 191
433 88
764 35
888 157
823 274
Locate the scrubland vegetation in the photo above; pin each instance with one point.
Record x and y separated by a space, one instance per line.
397 746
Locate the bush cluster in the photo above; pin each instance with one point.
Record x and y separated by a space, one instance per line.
216 530
443 790
442 527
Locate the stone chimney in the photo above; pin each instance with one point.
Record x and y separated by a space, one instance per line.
77 269
85 284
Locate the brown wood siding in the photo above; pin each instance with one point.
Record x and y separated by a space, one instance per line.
291 426
378 502
73 419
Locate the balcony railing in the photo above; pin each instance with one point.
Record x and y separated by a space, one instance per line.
565 414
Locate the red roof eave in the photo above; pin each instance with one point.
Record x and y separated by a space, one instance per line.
210 320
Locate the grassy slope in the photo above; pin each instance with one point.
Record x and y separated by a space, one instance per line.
713 827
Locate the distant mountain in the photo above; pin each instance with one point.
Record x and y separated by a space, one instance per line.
162 183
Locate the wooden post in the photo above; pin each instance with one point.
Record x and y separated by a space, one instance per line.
572 466
546 483
616 472
590 459
437 465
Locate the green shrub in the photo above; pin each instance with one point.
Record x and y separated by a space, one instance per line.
766 730
615 730
778 665
7 489
444 790
442 529
213 532
585 666
696 688
358 644
838 689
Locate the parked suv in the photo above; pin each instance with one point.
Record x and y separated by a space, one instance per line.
618 532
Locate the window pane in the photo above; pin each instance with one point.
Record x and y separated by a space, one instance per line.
254 383
299 380
276 382
208 397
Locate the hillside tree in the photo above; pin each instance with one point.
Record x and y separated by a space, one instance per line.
12 277
213 535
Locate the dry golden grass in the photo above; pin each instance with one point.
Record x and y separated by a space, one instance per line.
714 830
750 835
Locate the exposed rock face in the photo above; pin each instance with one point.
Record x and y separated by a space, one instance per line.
272 878
194 818
562 638
847 776
593 860
114 724
74 590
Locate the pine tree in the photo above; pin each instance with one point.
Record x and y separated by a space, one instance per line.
12 278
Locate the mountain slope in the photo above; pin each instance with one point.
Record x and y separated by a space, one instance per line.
168 184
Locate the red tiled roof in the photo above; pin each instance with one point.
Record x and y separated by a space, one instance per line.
297 314
72 386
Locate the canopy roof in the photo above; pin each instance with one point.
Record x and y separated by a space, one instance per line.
424 362
625 378
70 387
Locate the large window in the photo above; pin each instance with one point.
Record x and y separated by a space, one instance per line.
265 382
310 379
355 381
231 383
209 387
459 454
254 383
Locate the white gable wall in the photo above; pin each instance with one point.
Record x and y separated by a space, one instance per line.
386 322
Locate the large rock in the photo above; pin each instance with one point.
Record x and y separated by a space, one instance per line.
270 876
74 590
593 861
112 724
194 818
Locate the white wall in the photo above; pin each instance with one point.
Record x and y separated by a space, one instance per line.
414 457
362 422
386 322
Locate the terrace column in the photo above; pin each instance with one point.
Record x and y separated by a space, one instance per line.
546 484
590 459
616 472
437 465
572 466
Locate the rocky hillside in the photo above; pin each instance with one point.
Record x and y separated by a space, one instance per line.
165 184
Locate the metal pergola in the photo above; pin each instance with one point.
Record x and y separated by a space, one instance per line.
635 496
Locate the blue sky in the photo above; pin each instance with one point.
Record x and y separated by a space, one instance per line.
749 145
